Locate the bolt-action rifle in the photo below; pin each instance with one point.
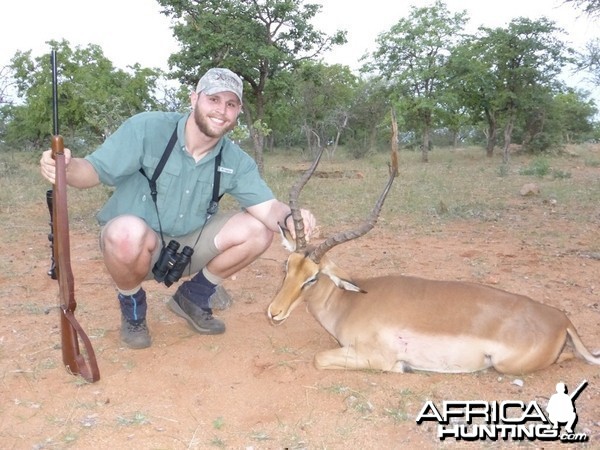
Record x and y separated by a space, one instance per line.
56 198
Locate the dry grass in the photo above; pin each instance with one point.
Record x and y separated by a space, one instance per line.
455 184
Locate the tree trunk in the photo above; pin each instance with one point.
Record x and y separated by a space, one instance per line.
372 138
491 133
258 140
256 133
309 139
425 146
507 140
455 136
426 119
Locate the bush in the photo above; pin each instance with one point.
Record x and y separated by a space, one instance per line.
542 142
539 167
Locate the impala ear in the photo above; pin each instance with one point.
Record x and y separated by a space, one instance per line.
288 242
340 279
347 285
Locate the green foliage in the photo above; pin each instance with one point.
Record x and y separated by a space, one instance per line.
262 41
368 123
539 167
218 423
571 116
239 133
413 56
508 77
592 162
590 7
542 142
589 60
248 37
559 174
262 127
94 97
447 88
503 170
319 106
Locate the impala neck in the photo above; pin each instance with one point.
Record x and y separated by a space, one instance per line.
325 302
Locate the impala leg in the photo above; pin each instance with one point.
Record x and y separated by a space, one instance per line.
538 358
565 356
347 358
339 358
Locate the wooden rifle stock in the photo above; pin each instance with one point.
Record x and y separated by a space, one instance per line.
70 329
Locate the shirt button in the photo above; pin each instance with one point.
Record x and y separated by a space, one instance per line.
143 198
187 191
181 216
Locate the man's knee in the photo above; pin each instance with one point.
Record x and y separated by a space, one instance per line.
243 229
127 236
259 233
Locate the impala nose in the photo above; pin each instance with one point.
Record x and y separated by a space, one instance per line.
276 317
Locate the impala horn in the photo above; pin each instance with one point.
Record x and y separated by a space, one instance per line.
294 193
371 220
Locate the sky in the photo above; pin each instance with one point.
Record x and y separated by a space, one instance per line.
134 31
364 25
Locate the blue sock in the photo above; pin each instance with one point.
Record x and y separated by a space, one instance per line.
134 306
198 290
201 278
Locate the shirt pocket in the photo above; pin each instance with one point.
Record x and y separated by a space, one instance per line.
166 183
203 192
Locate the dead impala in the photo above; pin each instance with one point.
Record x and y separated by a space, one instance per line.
401 323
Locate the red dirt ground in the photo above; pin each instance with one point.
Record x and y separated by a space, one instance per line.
255 386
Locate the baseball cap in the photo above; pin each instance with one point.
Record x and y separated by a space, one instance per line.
217 80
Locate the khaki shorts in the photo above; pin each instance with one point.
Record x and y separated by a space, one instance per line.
204 251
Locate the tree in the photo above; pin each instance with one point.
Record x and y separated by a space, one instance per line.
6 85
526 56
6 98
589 7
324 98
412 56
94 96
572 116
589 60
259 40
509 73
370 108
472 82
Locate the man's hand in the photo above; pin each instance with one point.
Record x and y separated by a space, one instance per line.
48 165
309 224
80 172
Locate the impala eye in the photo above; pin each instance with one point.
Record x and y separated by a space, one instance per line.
309 282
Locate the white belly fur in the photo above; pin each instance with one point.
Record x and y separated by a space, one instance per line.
441 353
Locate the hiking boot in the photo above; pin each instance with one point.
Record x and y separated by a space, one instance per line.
134 335
201 319
134 330
220 299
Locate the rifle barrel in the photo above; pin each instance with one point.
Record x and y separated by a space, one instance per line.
54 92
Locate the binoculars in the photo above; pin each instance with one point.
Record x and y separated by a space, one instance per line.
171 264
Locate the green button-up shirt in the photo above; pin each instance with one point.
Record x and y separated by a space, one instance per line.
184 186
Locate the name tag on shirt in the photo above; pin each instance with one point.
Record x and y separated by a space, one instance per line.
225 170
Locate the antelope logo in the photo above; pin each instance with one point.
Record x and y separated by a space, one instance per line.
401 323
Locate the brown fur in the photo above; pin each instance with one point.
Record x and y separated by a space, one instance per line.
400 323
